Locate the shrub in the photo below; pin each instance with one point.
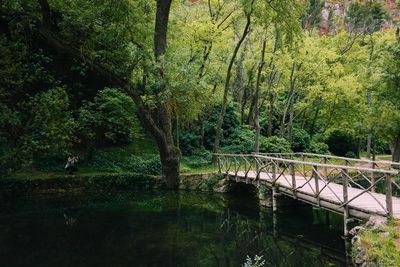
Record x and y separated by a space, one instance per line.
189 142
350 154
231 122
50 127
318 148
341 141
275 144
51 162
109 119
242 140
301 140
199 158
146 164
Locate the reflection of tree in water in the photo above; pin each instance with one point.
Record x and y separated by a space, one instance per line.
277 248
160 229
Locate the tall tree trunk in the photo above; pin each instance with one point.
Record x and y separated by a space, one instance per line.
227 86
243 104
291 120
161 127
271 112
256 97
288 101
396 149
202 132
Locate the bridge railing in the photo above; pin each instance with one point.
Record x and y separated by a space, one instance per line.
315 176
337 160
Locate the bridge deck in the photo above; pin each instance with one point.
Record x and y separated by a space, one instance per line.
330 197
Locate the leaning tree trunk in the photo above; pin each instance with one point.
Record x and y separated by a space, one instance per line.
161 129
218 134
256 97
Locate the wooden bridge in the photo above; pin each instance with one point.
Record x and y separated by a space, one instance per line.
354 187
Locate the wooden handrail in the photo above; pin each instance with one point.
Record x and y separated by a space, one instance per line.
335 157
344 167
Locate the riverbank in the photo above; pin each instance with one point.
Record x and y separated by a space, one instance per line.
203 180
377 244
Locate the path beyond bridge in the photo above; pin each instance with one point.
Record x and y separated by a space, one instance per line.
354 187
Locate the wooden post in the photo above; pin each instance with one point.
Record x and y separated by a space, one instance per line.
315 175
373 176
325 170
293 174
274 206
389 201
219 164
273 168
302 165
345 182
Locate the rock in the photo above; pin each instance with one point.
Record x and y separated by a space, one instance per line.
384 234
357 230
360 257
355 239
375 222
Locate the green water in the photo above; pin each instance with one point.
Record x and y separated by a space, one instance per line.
163 229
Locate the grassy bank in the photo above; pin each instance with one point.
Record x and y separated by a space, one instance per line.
382 246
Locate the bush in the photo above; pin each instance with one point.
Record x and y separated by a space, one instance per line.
242 140
229 126
146 164
50 127
51 162
274 144
318 148
301 140
200 158
350 154
109 119
341 141
189 142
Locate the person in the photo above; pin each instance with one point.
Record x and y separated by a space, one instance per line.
70 167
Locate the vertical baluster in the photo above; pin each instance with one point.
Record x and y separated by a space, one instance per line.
315 175
302 165
325 170
389 201
293 174
273 169
219 163
373 176
345 182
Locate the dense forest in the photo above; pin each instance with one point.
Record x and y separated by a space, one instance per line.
195 77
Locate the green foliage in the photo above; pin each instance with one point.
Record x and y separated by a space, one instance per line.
231 122
318 148
300 140
199 158
366 17
241 141
341 141
189 142
146 164
275 144
350 154
50 126
382 249
109 119
190 137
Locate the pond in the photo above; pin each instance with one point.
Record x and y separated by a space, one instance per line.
164 229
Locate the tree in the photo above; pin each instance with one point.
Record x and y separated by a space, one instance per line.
160 126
